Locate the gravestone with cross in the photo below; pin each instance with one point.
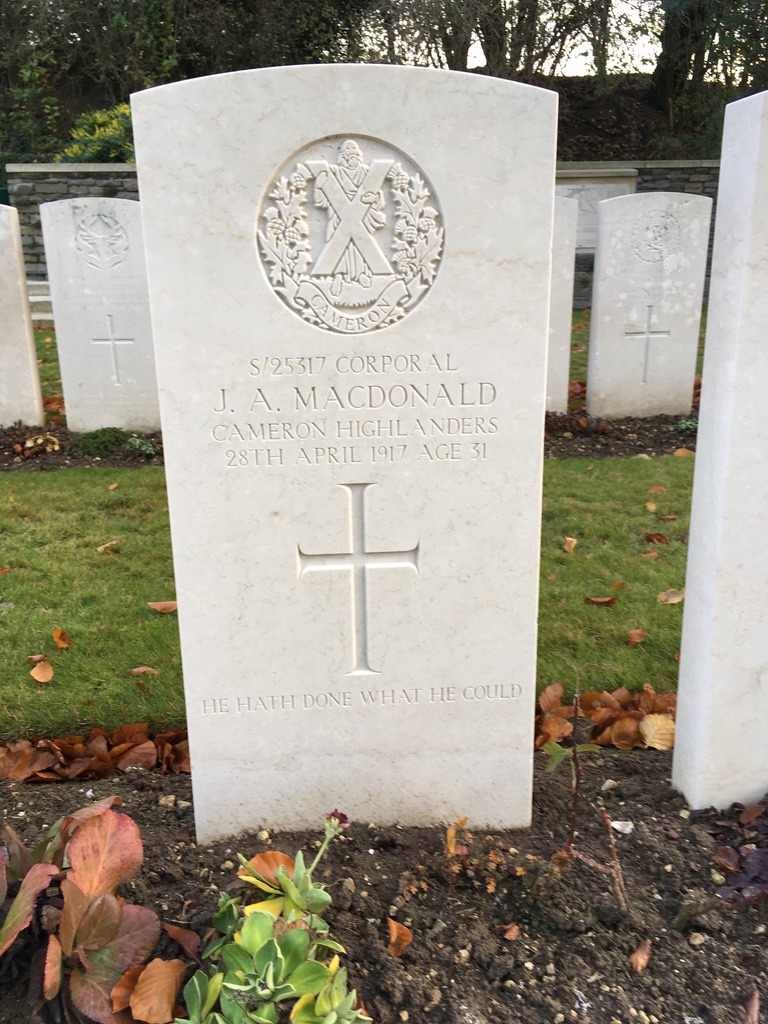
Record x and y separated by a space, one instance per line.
351 333
646 308
95 255
20 396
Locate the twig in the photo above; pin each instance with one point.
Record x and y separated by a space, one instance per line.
615 867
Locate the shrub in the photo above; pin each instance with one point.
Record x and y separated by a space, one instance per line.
101 136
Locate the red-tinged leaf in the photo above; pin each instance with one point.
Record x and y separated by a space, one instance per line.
99 923
186 938
656 538
27 763
656 490
620 585
726 857
142 670
155 994
635 637
163 606
753 813
75 906
52 970
73 821
400 937
620 695
266 864
604 602
104 852
551 697
123 990
42 673
142 686
23 906
7 569
62 640
641 956
511 932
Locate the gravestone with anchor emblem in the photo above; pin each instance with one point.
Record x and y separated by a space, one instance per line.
646 308
349 273
95 255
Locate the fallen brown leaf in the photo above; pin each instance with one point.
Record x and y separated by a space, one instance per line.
42 672
511 932
142 670
142 686
639 959
105 549
62 640
651 506
683 452
668 518
605 602
400 937
650 554
569 545
635 637
111 487
656 489
35 659
619 586
656 538
7 569
671 596
658 731
550 697
163 606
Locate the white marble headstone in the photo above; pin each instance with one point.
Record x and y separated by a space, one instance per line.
646 304
349 282
561 303
20 397
589 189
721 754
95 256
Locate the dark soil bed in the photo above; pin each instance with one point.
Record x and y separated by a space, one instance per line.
568 957
575 434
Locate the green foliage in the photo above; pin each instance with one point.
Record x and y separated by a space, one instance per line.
142 445
101 442
557 753
274 952
30 114
101 136
687 426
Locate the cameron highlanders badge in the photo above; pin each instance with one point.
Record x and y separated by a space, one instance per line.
350 235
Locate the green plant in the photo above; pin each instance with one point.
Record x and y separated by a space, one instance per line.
687 426
103 441
101 136
275 952
60 899
141 444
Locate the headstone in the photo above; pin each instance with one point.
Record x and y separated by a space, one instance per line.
561 304
95 255
349 281
20 397
721 754
590 188
646 307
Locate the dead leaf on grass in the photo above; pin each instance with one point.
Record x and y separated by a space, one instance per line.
650 554
400 937
142 670
668 518
569 545
619 586
163 606
35 659
42 672
62 640
635 637
656 489
651 506
7 569
111 487
656 538
639 959
671 596
604 602
105 549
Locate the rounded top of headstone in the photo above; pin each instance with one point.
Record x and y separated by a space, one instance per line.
350 234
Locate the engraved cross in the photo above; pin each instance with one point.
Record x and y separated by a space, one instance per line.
358 561
350 213
649 335
113 342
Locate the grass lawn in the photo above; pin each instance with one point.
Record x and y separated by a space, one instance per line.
53 524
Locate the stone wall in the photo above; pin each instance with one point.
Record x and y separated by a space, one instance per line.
29 185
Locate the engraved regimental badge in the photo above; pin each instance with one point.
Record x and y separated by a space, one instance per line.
101 241
655 236
350 235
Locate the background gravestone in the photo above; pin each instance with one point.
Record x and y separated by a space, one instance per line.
720 749
95 255
351 330
20 396
646 307
561 303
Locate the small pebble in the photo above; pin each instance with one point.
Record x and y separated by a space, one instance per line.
761 929
669 868
263 836
608 785
183 804
697 939
528 965
166 801
717 877
404 1015
227 865
684 813
550 968
463 955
